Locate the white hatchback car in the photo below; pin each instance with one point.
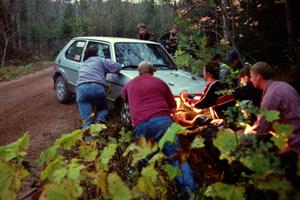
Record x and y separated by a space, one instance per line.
128 52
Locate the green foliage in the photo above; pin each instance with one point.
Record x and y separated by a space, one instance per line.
280 185
11 177
106 155
171 135
172 171
282 133
67 190
149 184
241 114
141 149
117 188
16 150
270 115
225 191
12 173
10 72
198 142
88 151
95 129
226 142
67 141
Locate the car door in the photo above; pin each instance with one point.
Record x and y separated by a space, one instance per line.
71 61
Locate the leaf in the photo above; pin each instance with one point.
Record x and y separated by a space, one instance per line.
49 172
126 137
74 169
16 150
170 135
172 171
226 142
280 185
67 190
225 191
257 162
198 142
69 140
95 129
11 177
107 153
141 149
117 188
146 183
88 151
47 155
270 115
159 157
282 133
101 181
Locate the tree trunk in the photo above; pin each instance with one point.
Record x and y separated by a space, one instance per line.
292 29
5 48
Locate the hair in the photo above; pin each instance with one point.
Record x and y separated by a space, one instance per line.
90 52
217 56
141 25
213 69
146 67
233 55
263 69
245 71
176 26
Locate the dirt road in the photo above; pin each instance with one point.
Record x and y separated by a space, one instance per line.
28 104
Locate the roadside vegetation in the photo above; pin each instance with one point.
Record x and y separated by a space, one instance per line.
12 71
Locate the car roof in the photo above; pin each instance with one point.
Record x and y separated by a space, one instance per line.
113 39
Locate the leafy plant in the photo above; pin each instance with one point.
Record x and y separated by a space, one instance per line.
12 172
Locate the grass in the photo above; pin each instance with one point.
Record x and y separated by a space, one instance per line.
11 72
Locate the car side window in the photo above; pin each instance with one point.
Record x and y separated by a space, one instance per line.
74 52
103 49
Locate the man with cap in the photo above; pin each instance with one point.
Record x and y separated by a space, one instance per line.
150 104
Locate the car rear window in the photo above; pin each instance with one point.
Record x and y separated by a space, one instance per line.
74 52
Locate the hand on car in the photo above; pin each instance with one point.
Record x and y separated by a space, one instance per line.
184 95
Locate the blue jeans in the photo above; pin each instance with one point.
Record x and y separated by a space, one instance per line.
91 97
155 128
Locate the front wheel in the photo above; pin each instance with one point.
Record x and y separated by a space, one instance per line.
61 90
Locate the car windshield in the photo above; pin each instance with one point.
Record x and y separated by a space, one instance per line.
131 54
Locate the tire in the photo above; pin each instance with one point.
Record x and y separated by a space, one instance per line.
125 115
61 90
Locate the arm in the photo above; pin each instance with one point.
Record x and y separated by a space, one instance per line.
112 66
169 98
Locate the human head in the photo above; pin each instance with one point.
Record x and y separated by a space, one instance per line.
174 29
142 29
244 75
90 52
211 70
146 67
216 58
261 72
233 59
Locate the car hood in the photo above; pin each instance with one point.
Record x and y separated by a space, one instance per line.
177 80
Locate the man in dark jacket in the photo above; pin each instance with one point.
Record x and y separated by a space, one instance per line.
170 40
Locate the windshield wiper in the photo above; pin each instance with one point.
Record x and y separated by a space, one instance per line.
129 67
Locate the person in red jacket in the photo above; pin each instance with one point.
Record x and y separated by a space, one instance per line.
214 94
150 104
